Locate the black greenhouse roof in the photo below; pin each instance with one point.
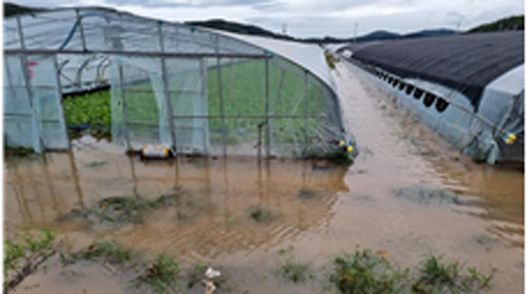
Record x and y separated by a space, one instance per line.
466 63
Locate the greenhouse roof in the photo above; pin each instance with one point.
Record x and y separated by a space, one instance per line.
467 63
309 56
57 31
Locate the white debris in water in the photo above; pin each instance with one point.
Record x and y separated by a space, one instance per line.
211 273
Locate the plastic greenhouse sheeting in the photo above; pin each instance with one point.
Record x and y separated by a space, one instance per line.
196 90
466 63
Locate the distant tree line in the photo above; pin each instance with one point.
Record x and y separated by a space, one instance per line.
505 24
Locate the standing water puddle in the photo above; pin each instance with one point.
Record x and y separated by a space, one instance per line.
249 217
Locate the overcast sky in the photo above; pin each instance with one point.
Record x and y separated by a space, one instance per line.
305 18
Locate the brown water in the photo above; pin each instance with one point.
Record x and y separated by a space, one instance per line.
319 210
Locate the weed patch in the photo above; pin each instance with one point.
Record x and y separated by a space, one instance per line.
108 251
121 210
261 215
438 276
23 257
296 272
365 272
161 276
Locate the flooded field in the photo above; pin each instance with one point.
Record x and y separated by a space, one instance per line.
407 195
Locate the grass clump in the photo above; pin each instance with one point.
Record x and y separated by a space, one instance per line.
29 246
296 272
365 272
103 250
260 214
108 250
117 211
438 276
161 276
23 257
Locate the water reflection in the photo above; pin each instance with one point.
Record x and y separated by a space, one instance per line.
497 195
211 218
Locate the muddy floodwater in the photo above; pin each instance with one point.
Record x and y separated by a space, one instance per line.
316 211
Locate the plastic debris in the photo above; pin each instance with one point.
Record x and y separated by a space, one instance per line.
151 151
211 273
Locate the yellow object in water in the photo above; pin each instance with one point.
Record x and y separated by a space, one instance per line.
342 143
349 149
155 151
511 138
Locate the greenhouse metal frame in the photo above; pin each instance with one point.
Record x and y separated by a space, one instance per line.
198 91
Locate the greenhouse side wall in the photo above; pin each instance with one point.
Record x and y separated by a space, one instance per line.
33 113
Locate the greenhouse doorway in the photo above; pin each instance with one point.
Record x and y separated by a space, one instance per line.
160 100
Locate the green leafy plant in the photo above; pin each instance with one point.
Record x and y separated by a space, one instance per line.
29 245
161 276
108 250
365 272
90 111
24 256
436 275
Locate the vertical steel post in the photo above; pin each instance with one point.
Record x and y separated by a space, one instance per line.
220 90
203 105
81 29
125 108
62 117
306 97
23 63
168 99
267 112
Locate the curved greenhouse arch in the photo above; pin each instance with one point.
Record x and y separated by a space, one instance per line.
196 90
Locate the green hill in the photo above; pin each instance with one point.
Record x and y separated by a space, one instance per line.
11 9
513 23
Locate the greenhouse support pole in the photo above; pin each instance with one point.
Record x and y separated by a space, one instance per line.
125 107
23 63
62 117
203 106
81 29
222 106
168 99
267 112
306 94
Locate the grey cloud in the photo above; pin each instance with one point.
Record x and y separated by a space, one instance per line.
257 4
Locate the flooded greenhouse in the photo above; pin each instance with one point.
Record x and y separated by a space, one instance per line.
196 91
265 191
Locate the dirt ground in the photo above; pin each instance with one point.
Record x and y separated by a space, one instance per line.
318 211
